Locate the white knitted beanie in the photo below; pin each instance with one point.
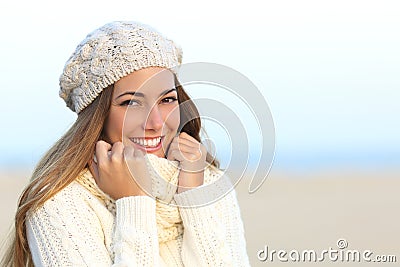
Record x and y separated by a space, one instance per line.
110 53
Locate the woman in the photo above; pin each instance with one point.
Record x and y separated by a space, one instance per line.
122 187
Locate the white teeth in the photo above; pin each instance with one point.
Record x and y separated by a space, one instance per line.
149 142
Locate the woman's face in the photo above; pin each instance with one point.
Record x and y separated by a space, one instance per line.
144 112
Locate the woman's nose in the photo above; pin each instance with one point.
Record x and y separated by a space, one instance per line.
154 120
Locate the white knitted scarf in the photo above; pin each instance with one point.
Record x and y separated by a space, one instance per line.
164 175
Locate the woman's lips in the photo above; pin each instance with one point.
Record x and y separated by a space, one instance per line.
149 144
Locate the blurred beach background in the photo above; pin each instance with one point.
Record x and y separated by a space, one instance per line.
329 72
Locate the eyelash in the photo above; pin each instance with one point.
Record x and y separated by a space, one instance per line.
128 102
169 99
166 100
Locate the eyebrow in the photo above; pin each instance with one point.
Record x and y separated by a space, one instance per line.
133 93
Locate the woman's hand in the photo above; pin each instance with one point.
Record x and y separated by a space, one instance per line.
192 157
120 171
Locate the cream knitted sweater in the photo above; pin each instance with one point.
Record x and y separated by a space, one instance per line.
82 226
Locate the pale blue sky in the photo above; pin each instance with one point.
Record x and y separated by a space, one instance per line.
329 70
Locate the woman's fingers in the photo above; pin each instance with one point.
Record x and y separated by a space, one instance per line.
117 151
187 137
191 155
184 148
175 154
189 152
102 149
118 169
135 159
184 143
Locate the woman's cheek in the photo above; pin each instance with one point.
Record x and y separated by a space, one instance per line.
133 122
172 119
110 131
114 125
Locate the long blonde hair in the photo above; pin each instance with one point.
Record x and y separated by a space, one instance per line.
68 157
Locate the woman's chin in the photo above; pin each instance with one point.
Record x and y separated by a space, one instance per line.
159 153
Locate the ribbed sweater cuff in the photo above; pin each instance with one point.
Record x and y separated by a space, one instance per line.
204 195
139 211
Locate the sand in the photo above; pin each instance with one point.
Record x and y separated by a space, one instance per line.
298 212
314 211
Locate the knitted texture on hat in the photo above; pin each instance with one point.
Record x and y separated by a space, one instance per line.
110 53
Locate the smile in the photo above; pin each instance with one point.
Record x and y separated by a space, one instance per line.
147 142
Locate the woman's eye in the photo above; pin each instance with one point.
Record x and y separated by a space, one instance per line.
169 99
131 102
